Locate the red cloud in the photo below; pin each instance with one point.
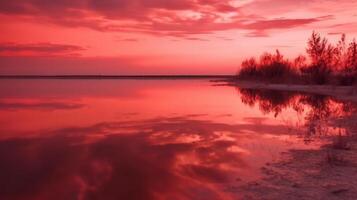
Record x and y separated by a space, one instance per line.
178 18
10 49
279 23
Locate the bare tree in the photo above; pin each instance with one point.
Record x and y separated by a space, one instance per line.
352 57
322 56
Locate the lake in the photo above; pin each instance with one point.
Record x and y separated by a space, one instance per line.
149 139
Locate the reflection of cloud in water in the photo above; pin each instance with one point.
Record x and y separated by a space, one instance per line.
155 162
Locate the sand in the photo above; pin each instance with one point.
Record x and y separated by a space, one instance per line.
327 173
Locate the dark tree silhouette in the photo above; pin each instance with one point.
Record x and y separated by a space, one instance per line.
328 64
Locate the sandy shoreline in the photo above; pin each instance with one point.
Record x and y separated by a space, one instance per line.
327 173
307 174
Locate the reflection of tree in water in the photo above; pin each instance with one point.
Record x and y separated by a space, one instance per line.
270 101
321 109
318 110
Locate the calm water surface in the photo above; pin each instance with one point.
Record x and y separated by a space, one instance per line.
148 139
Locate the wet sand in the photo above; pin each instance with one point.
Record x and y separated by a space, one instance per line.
327 173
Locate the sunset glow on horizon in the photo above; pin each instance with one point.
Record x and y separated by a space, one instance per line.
138 37
178 99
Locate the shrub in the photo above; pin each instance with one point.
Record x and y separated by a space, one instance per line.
328 64
271 67
249 69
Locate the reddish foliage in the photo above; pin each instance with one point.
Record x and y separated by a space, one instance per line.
328 64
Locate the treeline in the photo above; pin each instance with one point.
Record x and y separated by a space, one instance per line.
325 63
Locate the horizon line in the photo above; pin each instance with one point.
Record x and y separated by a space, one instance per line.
154 76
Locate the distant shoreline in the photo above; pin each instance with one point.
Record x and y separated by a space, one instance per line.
143 77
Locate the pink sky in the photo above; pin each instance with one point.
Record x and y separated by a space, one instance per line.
160 36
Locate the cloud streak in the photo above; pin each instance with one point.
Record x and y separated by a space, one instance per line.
45 106
10 49
178 18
